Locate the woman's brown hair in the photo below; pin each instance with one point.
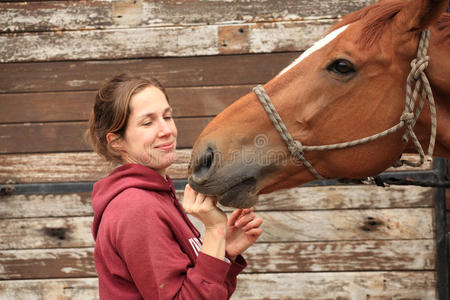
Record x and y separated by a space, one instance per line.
111 111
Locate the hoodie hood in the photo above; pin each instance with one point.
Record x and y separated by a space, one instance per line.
122 178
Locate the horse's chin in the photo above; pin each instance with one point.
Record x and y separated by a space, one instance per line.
242 195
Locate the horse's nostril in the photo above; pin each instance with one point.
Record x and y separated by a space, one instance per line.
203 166
208 158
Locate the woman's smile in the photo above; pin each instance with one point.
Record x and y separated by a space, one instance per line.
166 146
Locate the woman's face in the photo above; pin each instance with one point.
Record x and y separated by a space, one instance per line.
150 134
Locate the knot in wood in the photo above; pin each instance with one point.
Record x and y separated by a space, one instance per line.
8 188
371 224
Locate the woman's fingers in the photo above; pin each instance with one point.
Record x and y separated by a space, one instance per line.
254 233
256 223
189 198
245 218
234 216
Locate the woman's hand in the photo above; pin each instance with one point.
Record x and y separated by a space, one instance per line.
243 229
215 220
204 208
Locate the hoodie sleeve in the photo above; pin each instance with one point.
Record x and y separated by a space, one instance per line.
157 264
236 267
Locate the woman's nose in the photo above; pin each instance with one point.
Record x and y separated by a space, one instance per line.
164 128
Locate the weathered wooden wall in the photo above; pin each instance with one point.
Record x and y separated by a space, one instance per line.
333 242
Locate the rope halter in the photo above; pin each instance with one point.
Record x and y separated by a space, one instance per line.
416 79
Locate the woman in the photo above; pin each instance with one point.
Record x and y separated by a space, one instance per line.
146 247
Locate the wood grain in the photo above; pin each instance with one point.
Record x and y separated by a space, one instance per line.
171 72
344 225
172 41
293 226
70 167
76 106
295 199
342 285
61 289
76 15
261 258
293 286
69 136
88 166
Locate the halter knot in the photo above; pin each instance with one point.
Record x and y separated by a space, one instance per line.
418 65
407 117
296 148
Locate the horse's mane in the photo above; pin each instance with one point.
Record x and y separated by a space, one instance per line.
376 17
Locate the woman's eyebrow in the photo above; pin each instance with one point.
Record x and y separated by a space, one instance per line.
153 114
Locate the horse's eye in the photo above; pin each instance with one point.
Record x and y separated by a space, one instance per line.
341 66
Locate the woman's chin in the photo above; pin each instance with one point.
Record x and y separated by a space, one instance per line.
163 161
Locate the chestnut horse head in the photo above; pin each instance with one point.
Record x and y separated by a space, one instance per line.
349 85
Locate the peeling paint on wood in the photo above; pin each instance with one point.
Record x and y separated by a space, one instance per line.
341 285
60 289
33 233
70 167
109 44
343 225
296 199
341 256
261 258
155 42
88 166
82 15
398 224
299 286
54 15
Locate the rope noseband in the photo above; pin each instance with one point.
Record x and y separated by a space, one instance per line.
416 79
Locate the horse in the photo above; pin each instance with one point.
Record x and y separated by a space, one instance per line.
349 86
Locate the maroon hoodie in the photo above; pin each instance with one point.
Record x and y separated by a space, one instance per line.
145 245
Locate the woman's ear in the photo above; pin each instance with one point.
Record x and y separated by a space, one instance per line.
115 142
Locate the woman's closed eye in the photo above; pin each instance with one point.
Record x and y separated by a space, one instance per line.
147 123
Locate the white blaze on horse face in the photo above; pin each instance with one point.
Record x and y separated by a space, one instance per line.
317 45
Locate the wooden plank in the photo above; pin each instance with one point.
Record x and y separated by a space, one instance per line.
43 263
341 256
299 226
344 225
294 286
46 205
18 234
69 136
46 107
211 12
88 166
296 199
61 289
75 15
261 258
346 197
172 41
342 285
76 106
171 72
55 15
70 167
